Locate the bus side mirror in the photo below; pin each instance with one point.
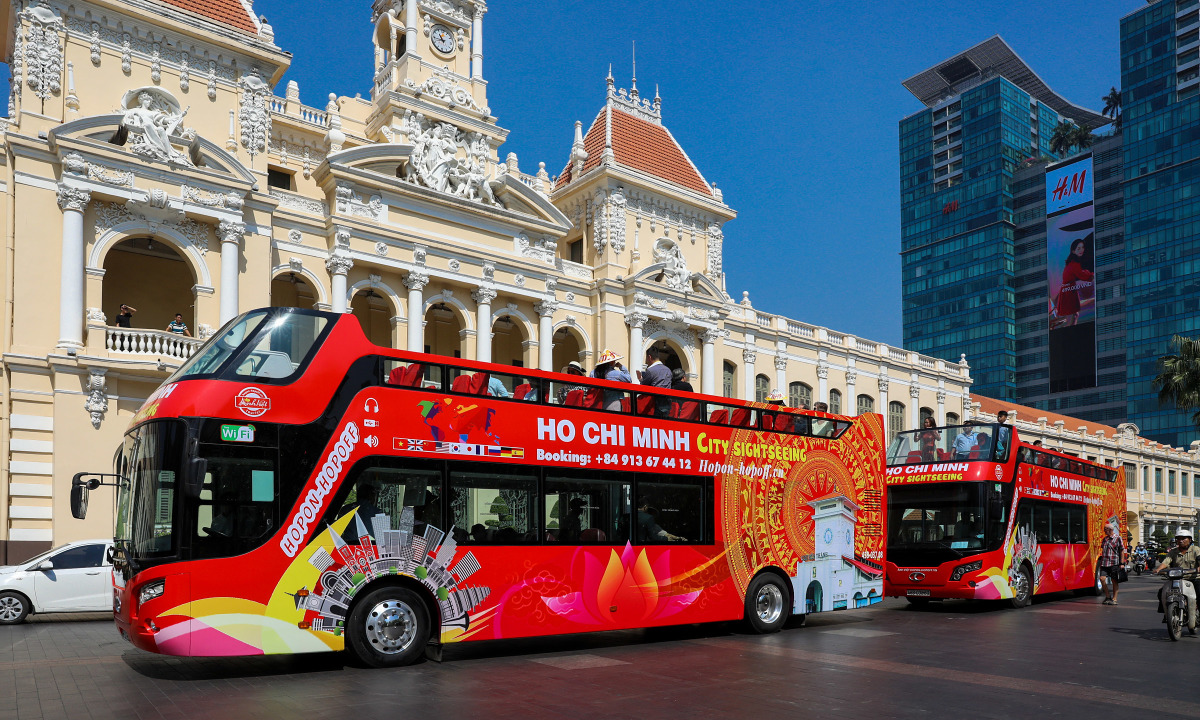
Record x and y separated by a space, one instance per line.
193 481
79 494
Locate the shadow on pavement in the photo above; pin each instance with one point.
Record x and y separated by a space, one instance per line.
161 667
1158 634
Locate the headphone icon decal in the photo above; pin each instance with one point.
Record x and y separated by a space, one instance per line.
371 405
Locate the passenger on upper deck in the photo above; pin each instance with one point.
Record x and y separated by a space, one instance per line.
966 441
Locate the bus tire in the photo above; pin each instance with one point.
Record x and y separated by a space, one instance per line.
768 603
14 607
389 627
1023 592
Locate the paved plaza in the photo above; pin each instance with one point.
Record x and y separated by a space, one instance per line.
1063 657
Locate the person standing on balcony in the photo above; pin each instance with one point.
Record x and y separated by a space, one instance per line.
125 316
178 326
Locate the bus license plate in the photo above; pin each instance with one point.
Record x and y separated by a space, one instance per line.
918 593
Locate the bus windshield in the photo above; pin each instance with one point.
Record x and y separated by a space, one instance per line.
955 443
146 507
264 345
948 516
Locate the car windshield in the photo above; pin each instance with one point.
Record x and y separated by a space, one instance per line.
955 443
283 344
146 506
220 347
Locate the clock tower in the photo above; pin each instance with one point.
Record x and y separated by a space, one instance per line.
429 71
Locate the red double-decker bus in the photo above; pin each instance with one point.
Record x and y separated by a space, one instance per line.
974 512
294 488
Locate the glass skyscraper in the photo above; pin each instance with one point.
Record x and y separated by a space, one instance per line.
1160 92
985 113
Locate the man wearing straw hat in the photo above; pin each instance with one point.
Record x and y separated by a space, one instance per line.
608 367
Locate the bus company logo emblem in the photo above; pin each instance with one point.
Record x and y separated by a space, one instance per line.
999 473
327 477
252 402
916 577
237 433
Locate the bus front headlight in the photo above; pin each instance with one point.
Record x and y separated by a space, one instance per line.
151 590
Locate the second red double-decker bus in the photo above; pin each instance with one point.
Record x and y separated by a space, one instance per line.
294 488
973 512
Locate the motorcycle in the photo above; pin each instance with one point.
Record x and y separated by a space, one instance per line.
1139 564
1179 603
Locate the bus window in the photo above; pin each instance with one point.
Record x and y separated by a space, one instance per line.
236 510
581 508
493 507
282 347
1041 522
672 509
1078 526
1058 524
387 491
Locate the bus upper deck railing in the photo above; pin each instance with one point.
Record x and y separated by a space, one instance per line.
604 396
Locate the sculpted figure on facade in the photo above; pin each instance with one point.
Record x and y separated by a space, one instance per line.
253 113
154 116
435 164
716 240
43 53
675 271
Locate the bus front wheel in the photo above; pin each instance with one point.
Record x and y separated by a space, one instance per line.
767 603
1022 589
389 627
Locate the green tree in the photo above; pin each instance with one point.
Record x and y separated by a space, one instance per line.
1178 379
1063 138
1112 107
1082 137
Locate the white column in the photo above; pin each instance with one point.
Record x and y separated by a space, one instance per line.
823 382
416 282
232 234
914 411
545 311
851 398
748 358
477 44
941 407
882 407
708 362
410 45
637 354
338 265
781 374
72 201
483 341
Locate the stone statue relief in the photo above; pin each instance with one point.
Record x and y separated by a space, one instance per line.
675 271
155 116
435 162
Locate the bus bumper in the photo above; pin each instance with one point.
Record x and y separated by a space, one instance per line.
137 610
952 580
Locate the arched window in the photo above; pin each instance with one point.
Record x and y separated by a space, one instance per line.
728 376
762 387
799 395
895 418
951 418
866 404
835 402
926 413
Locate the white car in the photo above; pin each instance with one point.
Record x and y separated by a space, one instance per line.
76 577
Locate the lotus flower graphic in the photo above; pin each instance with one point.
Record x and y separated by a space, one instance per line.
626 592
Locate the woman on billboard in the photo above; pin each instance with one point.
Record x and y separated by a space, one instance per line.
1075 278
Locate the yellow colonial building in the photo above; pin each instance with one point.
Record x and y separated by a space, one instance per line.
150 161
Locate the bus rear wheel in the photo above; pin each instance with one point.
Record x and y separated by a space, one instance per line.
768 604
389 628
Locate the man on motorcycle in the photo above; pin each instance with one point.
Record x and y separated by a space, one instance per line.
1185 555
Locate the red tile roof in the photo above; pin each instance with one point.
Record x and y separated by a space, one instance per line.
226 12
1028 414
641 145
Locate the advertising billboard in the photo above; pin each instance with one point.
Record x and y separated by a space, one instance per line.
1071 273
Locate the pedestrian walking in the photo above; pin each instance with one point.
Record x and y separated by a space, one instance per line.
1112 561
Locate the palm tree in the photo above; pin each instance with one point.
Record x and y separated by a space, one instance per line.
1112 107
1178 380
1082 137
1063 138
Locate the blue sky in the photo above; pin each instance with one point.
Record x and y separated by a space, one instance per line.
791 107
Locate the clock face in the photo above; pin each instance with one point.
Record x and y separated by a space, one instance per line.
443 39
828 536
